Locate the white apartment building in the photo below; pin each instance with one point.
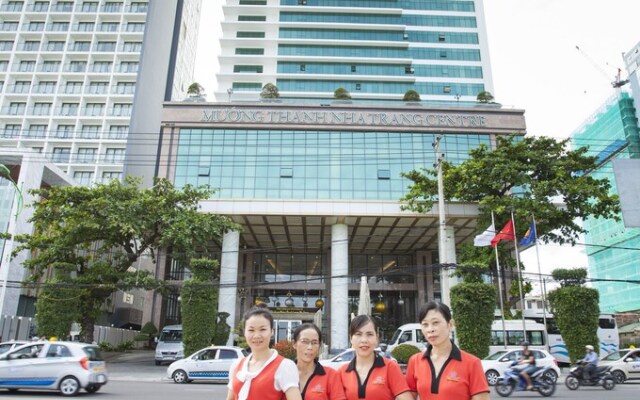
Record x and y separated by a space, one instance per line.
68 77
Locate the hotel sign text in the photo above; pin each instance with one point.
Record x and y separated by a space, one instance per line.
329 117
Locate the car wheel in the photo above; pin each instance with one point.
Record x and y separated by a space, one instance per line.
572 382
69 386
618 376
492 377
551 374
179 376
92 388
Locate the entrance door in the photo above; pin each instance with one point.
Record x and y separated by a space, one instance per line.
284 329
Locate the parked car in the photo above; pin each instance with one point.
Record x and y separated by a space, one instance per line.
211 363
10 345
624 363
63 366
495 364
346 356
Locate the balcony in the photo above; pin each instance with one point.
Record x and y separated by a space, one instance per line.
20 89
66 112
39 7
15 7
44 89
62 7
8 26
13 110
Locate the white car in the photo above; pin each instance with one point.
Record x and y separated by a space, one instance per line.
63 366
495 364
10 345
211 364
346 356
624 363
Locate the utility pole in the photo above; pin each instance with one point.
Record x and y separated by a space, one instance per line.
446 255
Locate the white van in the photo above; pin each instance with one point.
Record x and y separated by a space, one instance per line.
409 334
169 345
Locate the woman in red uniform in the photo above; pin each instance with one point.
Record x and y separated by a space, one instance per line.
316 382
370 376
264 374
443 371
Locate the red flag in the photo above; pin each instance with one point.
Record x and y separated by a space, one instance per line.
505 234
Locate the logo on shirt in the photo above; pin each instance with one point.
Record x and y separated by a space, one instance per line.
317 389
379 381
453 377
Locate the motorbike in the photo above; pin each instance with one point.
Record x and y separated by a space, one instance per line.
512 381
599 376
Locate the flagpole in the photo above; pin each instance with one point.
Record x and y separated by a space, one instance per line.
542 286
504 328
515 243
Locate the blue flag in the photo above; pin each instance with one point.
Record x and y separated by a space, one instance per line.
529 237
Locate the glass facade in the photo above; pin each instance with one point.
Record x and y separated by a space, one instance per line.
415 53
441 5
276 164
380 35
385 19
439 71
611 248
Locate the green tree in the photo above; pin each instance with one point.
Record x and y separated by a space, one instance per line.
269 91
472 305
57 308
484 97
341 94
576 310
96 235
543 169
222 330
411 95
199 304
195 90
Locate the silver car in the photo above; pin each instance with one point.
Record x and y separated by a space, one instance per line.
63 366
10 345
211 364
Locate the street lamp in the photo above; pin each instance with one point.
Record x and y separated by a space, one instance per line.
230 92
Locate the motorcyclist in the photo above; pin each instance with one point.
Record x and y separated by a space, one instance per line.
591 362
528 363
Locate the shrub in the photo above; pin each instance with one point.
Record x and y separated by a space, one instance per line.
472 305
403 352
106 346
269 91
341 94
285 349
411 95
484 97
124 346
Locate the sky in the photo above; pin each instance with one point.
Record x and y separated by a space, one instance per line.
535 67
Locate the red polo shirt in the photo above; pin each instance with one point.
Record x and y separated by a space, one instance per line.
323 384
384 381
460 378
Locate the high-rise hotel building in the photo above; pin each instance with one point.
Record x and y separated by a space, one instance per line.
315 183
374 49
69 71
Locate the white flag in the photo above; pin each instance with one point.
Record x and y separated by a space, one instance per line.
484 239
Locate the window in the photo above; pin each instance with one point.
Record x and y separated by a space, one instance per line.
253 69
35 26
55 46
253 2
11 131
114 156
77 66
226 354
86 155
37 131
443 54
85 26
101 66
109 26
129 66
250 34
63 6
61 154
249 52
125 88
41 108
13 6
40 6
64 131
6 45
245 18
108 176
117 132
73 87
89 6
9 26
81 46
353 68
384 174
98 87
112 7
409 70
50 66
22 87
358 86
26 66
90 131
94 109
135 27
59 26
138 7
132 47
121 109
4 65
17 108
442 37
286 172
446 89
106 46
84 178
58 350
69 109
303 67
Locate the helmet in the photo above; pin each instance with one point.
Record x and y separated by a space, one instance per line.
590 347
525 343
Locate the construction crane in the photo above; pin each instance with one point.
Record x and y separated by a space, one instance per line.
617 83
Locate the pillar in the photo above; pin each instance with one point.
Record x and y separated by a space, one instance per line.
448 253
229 278
339 286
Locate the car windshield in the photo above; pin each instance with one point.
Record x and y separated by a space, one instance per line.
93 352
616 355
171 336
495 356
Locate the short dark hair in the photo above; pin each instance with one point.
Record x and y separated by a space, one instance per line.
304 327
436 306
261 312
360 321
